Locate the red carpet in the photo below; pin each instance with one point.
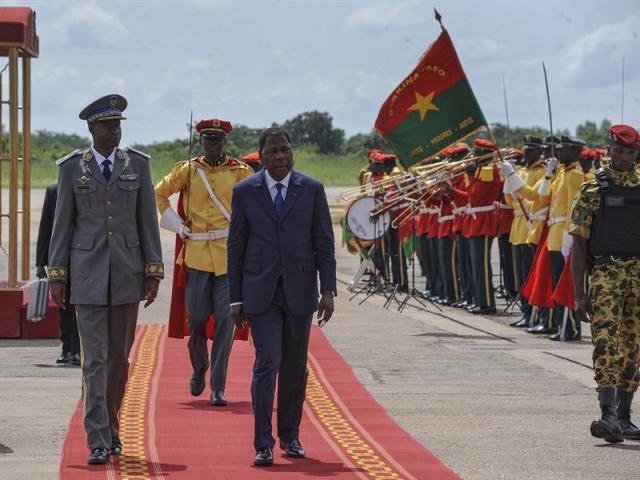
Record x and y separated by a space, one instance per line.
169 434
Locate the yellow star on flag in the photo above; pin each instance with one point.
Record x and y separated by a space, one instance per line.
424 104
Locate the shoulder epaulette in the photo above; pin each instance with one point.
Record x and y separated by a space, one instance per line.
67 157
142 154
601 177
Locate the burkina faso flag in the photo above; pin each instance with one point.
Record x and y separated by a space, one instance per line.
432 108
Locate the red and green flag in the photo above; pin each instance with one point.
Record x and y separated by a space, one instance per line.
432 108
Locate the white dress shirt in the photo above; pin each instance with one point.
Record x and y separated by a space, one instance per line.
101 158
271 185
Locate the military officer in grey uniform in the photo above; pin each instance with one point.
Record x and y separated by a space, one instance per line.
106 231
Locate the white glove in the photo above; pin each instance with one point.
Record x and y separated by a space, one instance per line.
506 169
171 221
513 183
567 243
552 163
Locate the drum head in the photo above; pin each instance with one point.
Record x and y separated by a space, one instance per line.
360 222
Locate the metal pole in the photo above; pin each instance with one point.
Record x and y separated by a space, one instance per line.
1 154
26 164
13 170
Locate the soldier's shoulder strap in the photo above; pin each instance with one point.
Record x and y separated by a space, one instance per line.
138 152
67 157
601 178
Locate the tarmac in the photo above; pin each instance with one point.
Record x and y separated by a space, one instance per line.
489 400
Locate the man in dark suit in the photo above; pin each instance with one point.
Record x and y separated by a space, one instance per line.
280 239
68 323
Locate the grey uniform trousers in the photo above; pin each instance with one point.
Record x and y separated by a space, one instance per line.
208 293
106 337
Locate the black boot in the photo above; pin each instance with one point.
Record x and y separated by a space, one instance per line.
607 426
629 430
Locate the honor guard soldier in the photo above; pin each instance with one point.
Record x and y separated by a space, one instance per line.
606 232
538 194
562 191
531 173
483 191
206 184
106 234
459 186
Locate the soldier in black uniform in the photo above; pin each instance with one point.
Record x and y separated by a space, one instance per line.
606 232
68 323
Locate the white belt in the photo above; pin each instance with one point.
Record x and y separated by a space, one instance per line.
445 218
539 215
459 210
211 235
505 206
554 220
484 208
429 210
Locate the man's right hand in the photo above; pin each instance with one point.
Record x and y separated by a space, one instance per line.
185 231
583 309
58 292
236 315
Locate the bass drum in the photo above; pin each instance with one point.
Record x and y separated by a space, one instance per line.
360 222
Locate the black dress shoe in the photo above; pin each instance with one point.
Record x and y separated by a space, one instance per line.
196 384
292 449
478 310
63 359
75 360
116 446
264 457
470 307
99 456
217 399
445 301
520 323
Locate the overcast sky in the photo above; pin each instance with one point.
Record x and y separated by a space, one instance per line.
258 62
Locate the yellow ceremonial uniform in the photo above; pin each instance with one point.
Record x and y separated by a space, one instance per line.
539 204
208 255
520 226
563 190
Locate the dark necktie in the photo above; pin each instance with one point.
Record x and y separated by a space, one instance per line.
278 201
106 169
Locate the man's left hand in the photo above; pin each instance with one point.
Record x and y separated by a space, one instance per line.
151 285
325 308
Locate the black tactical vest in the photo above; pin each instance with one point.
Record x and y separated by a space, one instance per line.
615 229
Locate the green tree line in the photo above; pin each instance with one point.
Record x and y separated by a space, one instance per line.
313 130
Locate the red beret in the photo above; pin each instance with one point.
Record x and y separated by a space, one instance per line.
214 125
600 152
625 135
585 152
484 144
252 157
378 157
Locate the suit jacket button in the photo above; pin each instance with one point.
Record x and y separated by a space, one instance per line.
108 202
110 233
108 189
